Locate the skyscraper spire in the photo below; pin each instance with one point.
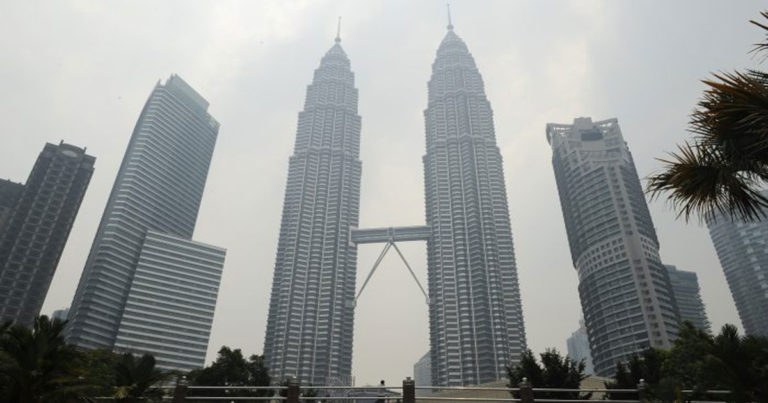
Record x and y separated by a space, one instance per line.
475 315
450 24
338 31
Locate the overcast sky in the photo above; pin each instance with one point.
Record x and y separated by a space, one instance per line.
81 71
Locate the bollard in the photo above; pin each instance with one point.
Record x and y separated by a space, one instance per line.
409 390
180 391
526 391
292 395
642 391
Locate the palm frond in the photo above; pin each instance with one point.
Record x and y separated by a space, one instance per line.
699 182
733 115
761 46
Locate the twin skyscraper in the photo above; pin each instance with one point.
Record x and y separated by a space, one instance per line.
475 317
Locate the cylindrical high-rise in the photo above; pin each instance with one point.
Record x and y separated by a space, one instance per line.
625 291
311 308
475 316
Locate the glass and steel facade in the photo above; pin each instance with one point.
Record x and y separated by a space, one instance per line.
158 190
309 327
475 315
626 297
170 305
742 248
37 227
685 285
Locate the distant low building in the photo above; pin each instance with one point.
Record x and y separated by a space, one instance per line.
60 314
422 371
685 286
578 348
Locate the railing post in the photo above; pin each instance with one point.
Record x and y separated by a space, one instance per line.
409 390
292 394
642 391
180 391
526 391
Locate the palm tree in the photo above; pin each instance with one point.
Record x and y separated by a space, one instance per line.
724 166
37 366
135 376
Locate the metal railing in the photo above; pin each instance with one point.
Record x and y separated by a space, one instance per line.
525 393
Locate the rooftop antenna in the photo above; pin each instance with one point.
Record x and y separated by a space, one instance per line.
450 24
338 31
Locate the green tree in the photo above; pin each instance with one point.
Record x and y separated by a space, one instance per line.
700 362
37 366
739 364
232 369
648 366
134 378
555 371
99 369
724 166
684 362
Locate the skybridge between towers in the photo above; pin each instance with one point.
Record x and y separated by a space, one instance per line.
389 237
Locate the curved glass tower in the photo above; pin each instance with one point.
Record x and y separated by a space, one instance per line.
626 296
311 308
476 320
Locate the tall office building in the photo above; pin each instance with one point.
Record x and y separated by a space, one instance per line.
475 316
625 293
742 248
146 287
170 305
311 308
36 229
578 348
685 285
9 195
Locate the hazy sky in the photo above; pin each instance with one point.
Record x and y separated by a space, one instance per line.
82 70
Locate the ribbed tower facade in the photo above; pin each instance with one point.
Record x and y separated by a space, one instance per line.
143 281
685 285
743 253
309 327
625 292
475 316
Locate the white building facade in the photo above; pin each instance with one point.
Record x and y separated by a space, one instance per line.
625 293
311 307
475 315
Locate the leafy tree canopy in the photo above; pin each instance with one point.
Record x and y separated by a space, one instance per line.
700 362
232 369
37 366
555 371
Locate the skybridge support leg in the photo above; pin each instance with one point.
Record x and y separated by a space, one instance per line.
375 265
384 251
426 297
